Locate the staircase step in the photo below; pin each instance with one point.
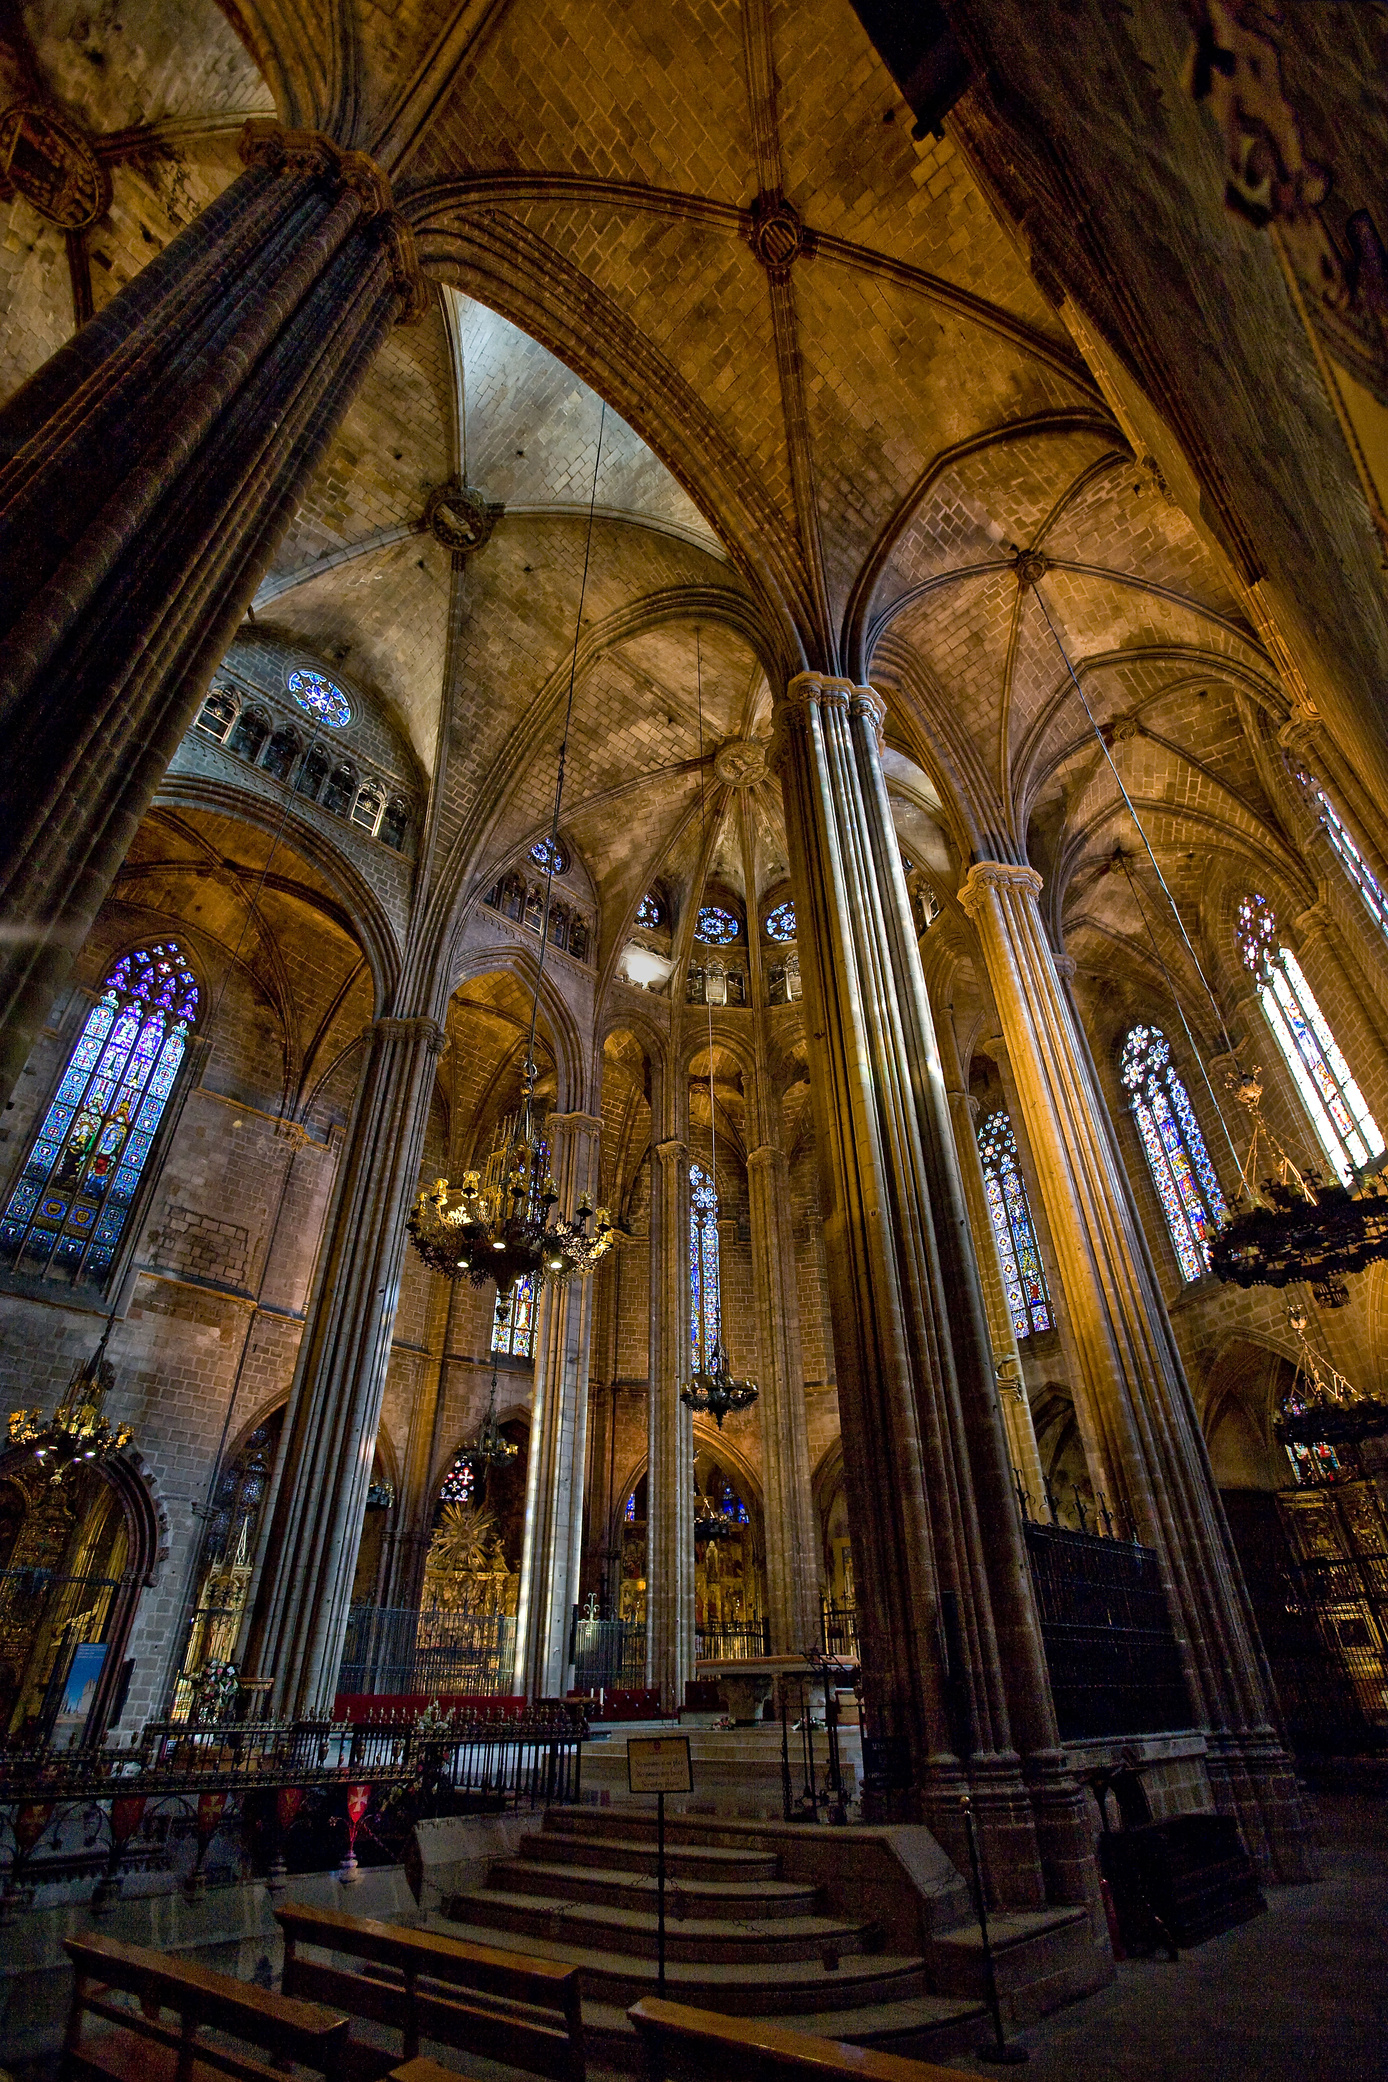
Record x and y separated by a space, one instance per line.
634 1931
633 1854
740 1900
932 2026
737 1987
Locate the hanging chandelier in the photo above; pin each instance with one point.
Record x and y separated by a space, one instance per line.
1294 1225
713 1392
77 1435
1323 1408
498 1223
709 1522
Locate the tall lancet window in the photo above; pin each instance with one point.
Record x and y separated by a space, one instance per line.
1351 859
513 1323
1348 1132
1023 1278
705 1313
75 1192
1173 1146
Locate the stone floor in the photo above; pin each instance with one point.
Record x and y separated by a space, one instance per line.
1300 1993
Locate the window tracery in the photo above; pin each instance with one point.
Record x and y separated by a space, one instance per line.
780 922
1351 859
1174 1147
248 732
458 1484
649 913
321 697
705 1312
524 902
716 927
551 857
1339 1112
1023 1276
70 1205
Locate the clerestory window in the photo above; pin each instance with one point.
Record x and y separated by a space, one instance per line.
705 1312
1173 1146
1023 1277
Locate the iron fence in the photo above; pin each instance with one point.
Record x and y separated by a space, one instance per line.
1114 1663
608 1654
1346 1598
400 1649
733 1644
838 1630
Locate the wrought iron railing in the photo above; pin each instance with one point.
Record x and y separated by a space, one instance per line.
608 1655
1114 1663
838 1630
1346 1597
739 1643
400 1649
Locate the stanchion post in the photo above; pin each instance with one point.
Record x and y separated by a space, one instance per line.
660 1893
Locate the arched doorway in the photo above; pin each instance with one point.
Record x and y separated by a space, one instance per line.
74 1557
729 1576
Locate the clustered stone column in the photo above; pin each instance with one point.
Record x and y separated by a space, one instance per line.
1137 1420
670 1463
147 472
552 1555
317 1497
953 1664
792 1541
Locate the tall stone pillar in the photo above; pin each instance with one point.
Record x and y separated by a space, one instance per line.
953 1664
552 1555
670 1435
1132 1400
792 1538
147 473
318 1493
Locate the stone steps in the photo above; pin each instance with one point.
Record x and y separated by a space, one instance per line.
740 1900
634 1931
630 1853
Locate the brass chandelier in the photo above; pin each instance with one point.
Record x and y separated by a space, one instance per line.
1322 1407
77 1435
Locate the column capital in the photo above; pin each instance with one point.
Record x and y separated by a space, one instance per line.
574 1123
995 874
1065 965
671 1152
267 143
767 1158
427 1030
1316 922
1301 732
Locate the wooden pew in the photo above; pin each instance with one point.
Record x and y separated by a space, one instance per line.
136 2045
525 2012
686 2042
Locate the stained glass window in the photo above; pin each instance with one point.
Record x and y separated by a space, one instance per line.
513 1325
1339 1112
1351 859
705 1314
321 697
715 926
456 1486
66 1214
649 913
1173 1146
1023 1279
630 1513
547 855
780 923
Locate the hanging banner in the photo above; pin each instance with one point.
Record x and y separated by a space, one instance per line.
127 1813
288 1801
29 1824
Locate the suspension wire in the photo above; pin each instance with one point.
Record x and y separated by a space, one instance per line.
1199 1059
1137 821
708 1002
552 853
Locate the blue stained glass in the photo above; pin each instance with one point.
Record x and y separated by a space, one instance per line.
547 855
780 923
715 926
514 1333
1179 1163
1023 1276
121 1068
705 1309
321 697
648 912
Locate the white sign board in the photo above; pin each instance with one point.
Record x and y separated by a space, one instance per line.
659 1764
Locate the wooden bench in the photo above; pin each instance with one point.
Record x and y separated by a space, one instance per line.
686 2042
136 2045
525 2012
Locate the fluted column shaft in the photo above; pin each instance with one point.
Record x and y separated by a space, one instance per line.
670 1435
1132 1399
552 1554
147 473
318 1493
792 1539
952 1655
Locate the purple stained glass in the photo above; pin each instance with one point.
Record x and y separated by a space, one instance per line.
83 1167
1174 1147
1023 1276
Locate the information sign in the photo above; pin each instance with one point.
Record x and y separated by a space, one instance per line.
659 1764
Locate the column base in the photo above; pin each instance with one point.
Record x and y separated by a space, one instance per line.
1254 1780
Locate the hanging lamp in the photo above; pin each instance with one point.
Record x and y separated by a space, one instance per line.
1322 1408
1291 1225
712 1390
77 1435
498 1223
